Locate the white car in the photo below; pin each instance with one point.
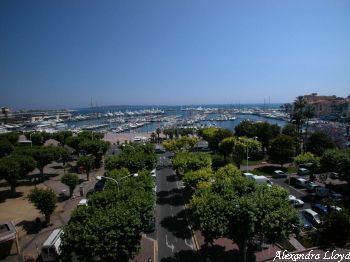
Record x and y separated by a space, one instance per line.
279 174
83 202
153 173
296 202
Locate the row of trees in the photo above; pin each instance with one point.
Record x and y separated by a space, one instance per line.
110 227
225 204
134 157
23 160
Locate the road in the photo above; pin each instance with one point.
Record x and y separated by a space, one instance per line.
297 192
175 242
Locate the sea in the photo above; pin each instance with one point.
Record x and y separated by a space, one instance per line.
174 111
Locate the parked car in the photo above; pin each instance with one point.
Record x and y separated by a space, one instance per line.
312 217
50 250
83 202
301 182
297 202
304 222
320 209
279 174
153 173
303 171
322 192
336 196
311 187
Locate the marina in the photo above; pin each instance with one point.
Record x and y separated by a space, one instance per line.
137 119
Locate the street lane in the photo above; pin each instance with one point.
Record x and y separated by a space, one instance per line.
173 234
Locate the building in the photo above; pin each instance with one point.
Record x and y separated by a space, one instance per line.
329 107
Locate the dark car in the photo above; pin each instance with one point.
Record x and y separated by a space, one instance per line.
100 184
304 222
320 209
312 217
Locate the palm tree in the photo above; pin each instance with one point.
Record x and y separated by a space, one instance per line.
302 112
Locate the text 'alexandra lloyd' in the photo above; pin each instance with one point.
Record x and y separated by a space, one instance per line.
311 255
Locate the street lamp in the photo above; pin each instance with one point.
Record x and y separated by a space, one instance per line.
255 138
30 138
114 180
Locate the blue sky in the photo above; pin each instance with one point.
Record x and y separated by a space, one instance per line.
59 54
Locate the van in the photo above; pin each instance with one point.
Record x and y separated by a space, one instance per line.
312 216
248 175
301 182
50 250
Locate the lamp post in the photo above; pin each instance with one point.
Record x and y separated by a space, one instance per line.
30 138
255 138
116 181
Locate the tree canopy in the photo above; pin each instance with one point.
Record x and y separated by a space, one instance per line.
134 158
70 180
185 162
87 163
44 200
214 135
242 212
15 167
282 149
318 142
336 160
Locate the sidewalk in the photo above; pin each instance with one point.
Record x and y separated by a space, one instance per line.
296 244
224 249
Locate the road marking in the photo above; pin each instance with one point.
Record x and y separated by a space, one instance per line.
168 245
189 244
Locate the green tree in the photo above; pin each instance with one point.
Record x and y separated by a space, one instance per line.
90 135
193 178
44 156
318 142
96 148
242 212
301 113
335 221
87 162
265 132
170 145
226 146
70 180
36 138
282 149
62 137
229 174
158 131
44 200
185 162
246 128
12 137
214 135
112 234
74 142
13 168
5 147
336 160
290 130
242 145
308 158
134 157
